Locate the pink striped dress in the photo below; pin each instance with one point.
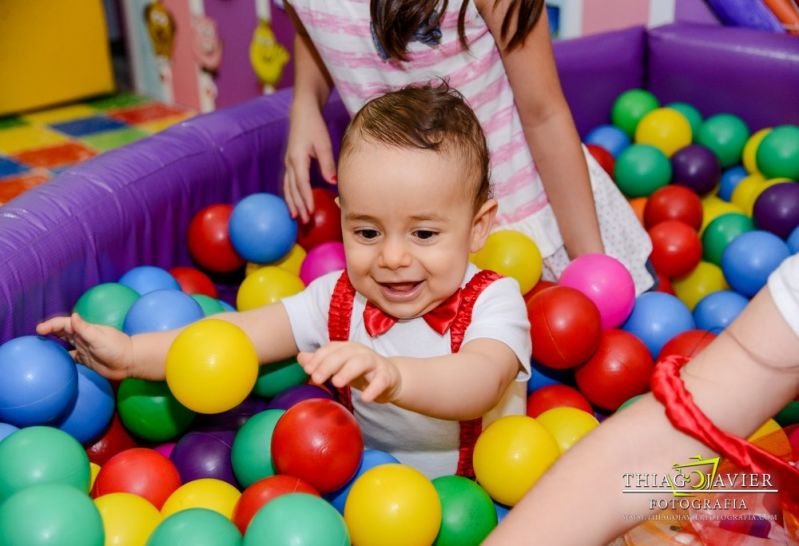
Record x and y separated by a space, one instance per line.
341 32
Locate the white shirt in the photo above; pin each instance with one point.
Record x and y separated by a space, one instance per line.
425 443
784 286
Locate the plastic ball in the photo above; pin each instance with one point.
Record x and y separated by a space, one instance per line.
106 304
750 150
778 153
324 224
467 512
603 157
209 240
127 519
541 376
717 310
721 232
291 262
726 135
638 205
274 378
39 381
6 430
673 203
655 319
165 449
393 505
161 310
298 518
664 284
501 510
696 167
555 396
713 207
140 471
512 254
195 526
730 180
46 515
511 455
251 455
676 248
691 114
567 425
38 455
630 107
687 344
261 228
294 395
93 409
321 259
318 441
705 279
149 410
232 419
204 454
620 369
113 440
606 282
194 281
641 169
777 209
371 458
750 188
208 305
608 137
264 490
750 258
665 129
148 278
207 493
565 327
267 285
211 366
630 402
793 241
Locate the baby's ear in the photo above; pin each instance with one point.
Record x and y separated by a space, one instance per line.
482 223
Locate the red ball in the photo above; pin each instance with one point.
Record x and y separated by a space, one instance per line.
676 248
324 224
686 344
603 157
261 492
539 286
209 240
194 281
114 440
319 441
140 471
664 284
556 396
565 327
620 369
673 203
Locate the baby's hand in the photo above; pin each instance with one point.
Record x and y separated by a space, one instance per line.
102 348
347 363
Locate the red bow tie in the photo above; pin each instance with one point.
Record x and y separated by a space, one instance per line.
439 319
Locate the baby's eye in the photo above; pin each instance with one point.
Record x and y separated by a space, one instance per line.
367 233
424 234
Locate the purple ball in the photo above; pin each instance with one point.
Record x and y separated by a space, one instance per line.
696 167
297 394
232 419
322 259
205 455
777 209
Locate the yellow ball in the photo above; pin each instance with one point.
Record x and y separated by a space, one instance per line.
128 519
743 196
713 207
567 425
513 254
268 284
511 454
392 504
94 469
769 427
705 279
291 262
207 493
750 150
665 129
211 366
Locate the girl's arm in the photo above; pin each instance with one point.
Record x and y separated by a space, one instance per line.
549 129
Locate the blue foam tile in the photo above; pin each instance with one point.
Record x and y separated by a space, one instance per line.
9 167
88 126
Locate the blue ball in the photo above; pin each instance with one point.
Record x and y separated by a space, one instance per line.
716 311
161 310
541 376
750 258
228 308
502 511
6 430
371 458
793 240
261 228
38 381
656 318
148 278
93 410
730 180
609 137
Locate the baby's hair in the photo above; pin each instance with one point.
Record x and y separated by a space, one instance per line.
427 117
395 22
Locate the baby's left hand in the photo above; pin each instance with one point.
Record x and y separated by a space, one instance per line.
348 363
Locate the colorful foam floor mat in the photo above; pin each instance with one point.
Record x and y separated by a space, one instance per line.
38 145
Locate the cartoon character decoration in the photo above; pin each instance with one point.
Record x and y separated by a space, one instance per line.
205 43
267 56
161 28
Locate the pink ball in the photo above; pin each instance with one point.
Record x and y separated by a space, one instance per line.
322 259
606 282
165 449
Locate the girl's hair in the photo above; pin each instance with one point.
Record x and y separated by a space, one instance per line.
427 117
396 21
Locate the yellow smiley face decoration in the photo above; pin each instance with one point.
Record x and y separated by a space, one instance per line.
267 55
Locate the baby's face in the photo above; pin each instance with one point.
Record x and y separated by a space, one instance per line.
408 225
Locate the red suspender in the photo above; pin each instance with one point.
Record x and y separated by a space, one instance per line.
338 327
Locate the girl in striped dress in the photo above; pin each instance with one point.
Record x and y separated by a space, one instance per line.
498 54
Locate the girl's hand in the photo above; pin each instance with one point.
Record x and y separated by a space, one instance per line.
348 363
102 348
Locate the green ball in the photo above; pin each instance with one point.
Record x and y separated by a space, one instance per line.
641 169
106 304
630 107
629 402
467 512
50 514
300 519
42 455
778 153
726 135
251 454
789 415
197 527
691 114
150 411
210 306
278 377
721 232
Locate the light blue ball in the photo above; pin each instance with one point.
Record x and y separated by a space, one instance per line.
160 311
656 318
793 240
750 258
541 376
502 511
371 458
148 278
716 311
609 137
7 430
261 228
730 180
93 410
